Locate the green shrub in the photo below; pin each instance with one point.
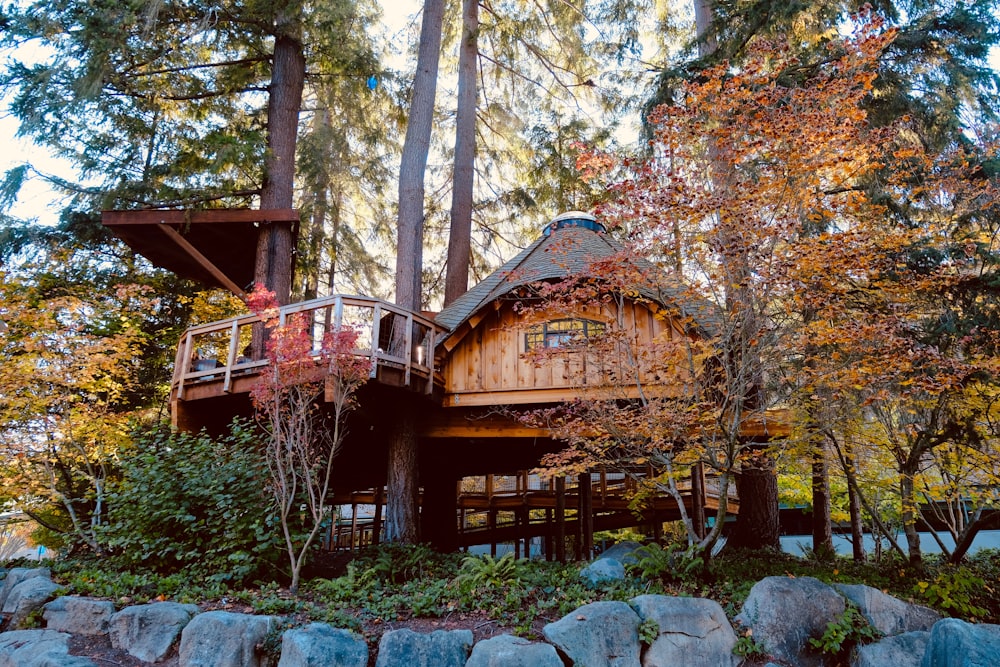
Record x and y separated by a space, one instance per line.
842 635
954 590
189 501
673 563
749 647
486 573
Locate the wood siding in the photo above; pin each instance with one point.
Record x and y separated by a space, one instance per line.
489 364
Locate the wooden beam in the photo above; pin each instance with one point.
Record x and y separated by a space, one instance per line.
202 261
454 424
181 217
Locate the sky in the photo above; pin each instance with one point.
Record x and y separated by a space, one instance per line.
38 201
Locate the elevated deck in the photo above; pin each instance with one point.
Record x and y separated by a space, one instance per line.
496 509
214 359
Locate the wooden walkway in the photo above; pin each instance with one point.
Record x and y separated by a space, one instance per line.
213 359
494 509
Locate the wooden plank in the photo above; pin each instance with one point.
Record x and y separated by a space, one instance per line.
474 361
202 261
547 395
181 217
456 373
506 337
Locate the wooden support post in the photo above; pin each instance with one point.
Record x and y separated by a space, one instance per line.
698 499
377 520
491 526
461 509
520 522
560 536
354 525
586 517
524 520
547 543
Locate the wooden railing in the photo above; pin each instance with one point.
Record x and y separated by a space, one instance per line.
389 335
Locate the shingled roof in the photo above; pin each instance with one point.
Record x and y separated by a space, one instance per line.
571 244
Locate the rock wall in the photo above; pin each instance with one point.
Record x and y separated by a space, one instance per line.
781 614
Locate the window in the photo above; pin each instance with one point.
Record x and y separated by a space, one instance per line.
559 333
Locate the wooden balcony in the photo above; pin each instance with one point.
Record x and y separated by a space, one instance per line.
214 359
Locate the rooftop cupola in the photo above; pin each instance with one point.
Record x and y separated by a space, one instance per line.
575 219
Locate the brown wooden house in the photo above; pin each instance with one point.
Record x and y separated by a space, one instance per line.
470 369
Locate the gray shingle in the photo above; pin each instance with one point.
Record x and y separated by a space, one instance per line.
568 252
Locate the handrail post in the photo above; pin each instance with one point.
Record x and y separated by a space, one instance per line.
373 348
338 312
234 341
183 363
429 356
408 347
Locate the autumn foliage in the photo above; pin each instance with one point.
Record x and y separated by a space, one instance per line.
302 398
845 271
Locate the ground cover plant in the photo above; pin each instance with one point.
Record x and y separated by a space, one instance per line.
394 586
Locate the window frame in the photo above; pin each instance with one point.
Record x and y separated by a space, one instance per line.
549 335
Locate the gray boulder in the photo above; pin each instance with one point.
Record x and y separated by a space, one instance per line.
17 575
147 631
26 597
693 631
888 615
603 569
78 616
223 639
784 613
319 645
38 648
955 643
441 648
598 634
623 552
904 650
511 651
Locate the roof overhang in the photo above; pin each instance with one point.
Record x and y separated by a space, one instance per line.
216 247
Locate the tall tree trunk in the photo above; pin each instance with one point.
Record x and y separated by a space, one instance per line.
703 18
334 245
402 491
822 528
908 501
312 265
854 507
409 247
273 266
757 525
460 235
401 479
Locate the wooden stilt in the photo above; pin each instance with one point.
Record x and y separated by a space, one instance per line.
491 524
377 519
354 526
698 499
560 536
547 544
586 517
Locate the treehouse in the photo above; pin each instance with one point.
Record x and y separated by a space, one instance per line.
503 350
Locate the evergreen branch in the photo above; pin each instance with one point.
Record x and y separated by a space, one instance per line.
192 97
188 68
